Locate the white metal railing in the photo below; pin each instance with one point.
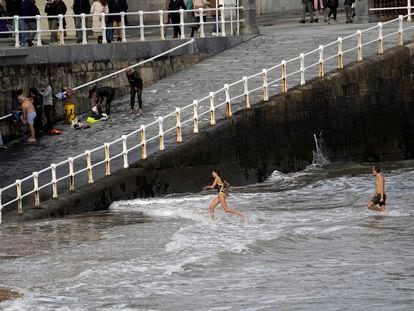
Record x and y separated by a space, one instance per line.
408 8
224 16
204 109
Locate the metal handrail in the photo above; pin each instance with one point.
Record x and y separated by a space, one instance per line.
198 111
142 26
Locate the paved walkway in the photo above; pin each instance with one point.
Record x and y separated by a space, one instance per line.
284 40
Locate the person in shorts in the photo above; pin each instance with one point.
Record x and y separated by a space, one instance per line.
28 115
378 199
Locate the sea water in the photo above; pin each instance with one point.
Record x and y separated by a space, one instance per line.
308 243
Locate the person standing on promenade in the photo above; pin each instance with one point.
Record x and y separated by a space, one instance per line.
98 7
306 5
54 8
348 10
79 7
378 199
28 115
175 5
222 186
333 6
113 21
135 83
319 8
29 8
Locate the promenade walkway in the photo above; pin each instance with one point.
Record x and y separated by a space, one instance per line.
285 39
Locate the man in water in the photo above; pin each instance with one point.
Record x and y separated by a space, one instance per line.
378 199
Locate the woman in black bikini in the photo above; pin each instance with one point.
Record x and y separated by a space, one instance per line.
222 186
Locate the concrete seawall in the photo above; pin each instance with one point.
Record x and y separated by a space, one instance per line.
366 112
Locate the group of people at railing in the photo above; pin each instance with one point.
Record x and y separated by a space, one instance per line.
327 9
198 11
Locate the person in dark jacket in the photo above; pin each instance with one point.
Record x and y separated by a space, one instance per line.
306 6
174 5
348 10
29 8
135 82
79 7
333 6
101 94
53 8
114 21
14 7
38 104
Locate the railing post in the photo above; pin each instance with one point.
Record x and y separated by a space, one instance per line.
103 25
284 77
238 17
321 72
302 69
36 189
89 167
231 22
409 18
400 31
246 94
38 31
380 39
107 160
182 24
265 85
61 30
340 54
228 104
202 33
162 36
1 207
195 104
19 196
212 110
359 45
161 133
123 33
54 181
178 124
143 143
84 31
71 175
223 22
125 151
141 26
16 31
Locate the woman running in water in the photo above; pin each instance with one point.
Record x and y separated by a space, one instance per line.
222 186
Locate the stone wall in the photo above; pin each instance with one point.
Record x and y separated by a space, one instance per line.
365 110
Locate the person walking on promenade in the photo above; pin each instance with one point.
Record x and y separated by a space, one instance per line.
378 199
54 8
222 186
175 5
28 115
319 8
29 8
79 7
14 7
47 94
333 7
135 83
101 94
348 10
114 21
98 7
306 5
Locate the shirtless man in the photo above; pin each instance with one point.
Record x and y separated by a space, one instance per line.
28 115
379 196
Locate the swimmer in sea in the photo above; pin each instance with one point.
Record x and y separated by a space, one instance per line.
378 199
222 186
